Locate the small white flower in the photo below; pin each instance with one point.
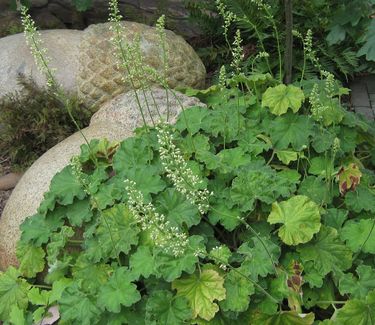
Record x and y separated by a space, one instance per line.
182 177
170 239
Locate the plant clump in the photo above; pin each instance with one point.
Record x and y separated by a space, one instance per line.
257 209
285 233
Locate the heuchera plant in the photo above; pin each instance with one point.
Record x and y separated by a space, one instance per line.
257 209
250 218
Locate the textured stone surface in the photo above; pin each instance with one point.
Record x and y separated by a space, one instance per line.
124 108
114 121
99 78
15 59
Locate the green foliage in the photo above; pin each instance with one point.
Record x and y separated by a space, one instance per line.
33 123
343 34
282 97
300 218
279 243
201 290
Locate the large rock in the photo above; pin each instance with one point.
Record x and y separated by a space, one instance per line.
114 121
125 110
85 61
15 59
99 77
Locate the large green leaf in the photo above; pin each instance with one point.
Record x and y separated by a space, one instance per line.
116 233
146 179
300 218
13 292
327 252
31 259
250 143
177 209
201 289
164 309
38 228
335 218
223 122
282 97
119 291
79 212
229 218
336 35
359 235
291 129
133 152
193 118
357 311
358 287
57 242
368 48
17 316
142 262
316 189
361 200
284 318
287 156
231 159
260 254
171 267
238 292
78 307
91 276
259 182
65 187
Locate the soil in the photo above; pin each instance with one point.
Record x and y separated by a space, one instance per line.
4 195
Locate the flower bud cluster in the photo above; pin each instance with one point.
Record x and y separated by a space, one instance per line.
317 109
129 54
329 86
160 27
182 177
261 4
336 145
223 77
227 15
165 236
307 42
237 53
34 41
78 174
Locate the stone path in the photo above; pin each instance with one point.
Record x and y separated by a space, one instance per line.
363 96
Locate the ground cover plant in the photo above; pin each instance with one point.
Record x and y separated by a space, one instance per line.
259 214
257 209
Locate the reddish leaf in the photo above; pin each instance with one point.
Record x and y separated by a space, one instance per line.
348 178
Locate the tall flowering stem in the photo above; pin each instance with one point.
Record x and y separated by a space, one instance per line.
37 49
34 41
169 238
182 177
42 60
160 27
128 55
228 17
